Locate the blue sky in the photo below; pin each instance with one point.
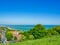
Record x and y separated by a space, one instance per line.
45 12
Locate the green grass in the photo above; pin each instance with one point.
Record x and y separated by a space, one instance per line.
54 40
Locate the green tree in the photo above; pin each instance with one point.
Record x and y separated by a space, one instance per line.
38 31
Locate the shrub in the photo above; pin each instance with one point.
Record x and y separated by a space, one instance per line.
9 36
57 29
31 37
23 38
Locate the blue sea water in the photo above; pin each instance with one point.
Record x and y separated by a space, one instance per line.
26 27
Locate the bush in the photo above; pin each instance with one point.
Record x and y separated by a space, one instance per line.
26 34
9 36
23 38
31 37
54 31
57 29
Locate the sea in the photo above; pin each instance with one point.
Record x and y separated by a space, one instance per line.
26 27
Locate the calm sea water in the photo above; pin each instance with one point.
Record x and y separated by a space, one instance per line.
26 27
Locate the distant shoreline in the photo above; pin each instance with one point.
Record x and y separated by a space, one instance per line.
26 27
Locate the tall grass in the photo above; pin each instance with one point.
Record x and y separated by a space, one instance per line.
54 40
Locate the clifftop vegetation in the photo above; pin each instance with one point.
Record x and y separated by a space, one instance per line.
38 32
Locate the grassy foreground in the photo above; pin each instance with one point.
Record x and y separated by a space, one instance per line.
54 40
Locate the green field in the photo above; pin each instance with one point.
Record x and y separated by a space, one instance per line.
54 40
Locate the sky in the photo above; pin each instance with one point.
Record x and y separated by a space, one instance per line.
46 12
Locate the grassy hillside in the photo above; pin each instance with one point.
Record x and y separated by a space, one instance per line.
54 40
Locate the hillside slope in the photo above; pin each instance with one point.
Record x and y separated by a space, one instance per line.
54 40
